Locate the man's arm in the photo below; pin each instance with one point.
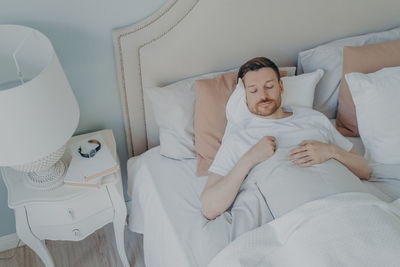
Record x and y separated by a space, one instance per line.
353 161
312 152
220 191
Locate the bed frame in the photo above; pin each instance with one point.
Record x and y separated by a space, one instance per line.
190 37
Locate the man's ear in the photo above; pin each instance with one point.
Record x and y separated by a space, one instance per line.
281 86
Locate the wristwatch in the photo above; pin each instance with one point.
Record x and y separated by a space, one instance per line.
92 152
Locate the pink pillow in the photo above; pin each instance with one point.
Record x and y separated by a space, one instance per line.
210 118
364 59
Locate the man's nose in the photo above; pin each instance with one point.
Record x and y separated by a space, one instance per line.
264 95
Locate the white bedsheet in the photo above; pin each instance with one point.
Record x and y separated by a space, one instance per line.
165 202
166 209
348 229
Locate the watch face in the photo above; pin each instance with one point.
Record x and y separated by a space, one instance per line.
92 152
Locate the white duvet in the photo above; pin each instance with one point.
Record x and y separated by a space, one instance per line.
166 208
347 229
286 186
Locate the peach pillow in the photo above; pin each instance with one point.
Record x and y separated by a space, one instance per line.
364 59
210 118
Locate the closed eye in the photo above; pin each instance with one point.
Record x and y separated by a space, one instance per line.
252 90
269 86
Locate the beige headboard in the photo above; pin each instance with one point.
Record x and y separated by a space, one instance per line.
190 37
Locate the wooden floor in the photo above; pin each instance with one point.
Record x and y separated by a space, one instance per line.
97 250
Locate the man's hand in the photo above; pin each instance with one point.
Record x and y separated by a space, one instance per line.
220 191
311 152
263 150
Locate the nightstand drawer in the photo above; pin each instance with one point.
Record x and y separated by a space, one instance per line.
75 231
69 211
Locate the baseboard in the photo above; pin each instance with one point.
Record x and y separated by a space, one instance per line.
9 242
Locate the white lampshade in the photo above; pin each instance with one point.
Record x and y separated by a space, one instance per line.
39 116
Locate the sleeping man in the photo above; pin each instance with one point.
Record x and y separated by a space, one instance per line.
309 136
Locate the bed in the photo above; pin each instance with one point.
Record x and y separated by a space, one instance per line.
186 38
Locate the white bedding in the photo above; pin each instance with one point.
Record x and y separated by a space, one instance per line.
278 178
349 229
166 209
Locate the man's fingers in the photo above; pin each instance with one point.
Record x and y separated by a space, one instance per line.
274 146
303 143
306 142
303 146
269 138
298 155
297 150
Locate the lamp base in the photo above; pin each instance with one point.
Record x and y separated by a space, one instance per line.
49 179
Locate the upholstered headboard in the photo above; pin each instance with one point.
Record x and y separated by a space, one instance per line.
190 37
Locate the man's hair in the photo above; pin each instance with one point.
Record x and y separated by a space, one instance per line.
256 64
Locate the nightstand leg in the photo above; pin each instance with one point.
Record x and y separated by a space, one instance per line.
119 223
24 232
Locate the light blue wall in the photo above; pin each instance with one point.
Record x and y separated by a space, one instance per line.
81 33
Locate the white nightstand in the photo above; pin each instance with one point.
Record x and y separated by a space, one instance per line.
67 213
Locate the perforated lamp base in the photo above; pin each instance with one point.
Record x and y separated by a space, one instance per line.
46 173
50 179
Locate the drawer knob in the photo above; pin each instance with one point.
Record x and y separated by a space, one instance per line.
76 233
71 213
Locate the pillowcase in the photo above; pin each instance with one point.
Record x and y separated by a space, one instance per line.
286 186
173 109
376 97
304 83
209 117
212 97
364 59
329 58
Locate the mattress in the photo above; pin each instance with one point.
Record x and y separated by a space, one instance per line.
166 208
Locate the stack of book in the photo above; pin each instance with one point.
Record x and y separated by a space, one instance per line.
89 172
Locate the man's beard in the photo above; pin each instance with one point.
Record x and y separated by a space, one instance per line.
267 110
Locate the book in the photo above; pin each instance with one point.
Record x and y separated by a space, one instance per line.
89 171
74 178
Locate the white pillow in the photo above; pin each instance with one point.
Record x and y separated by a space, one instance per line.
286 186
376 97
173 107
298 91
329 57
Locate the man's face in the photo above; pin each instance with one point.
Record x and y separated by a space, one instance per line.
263 91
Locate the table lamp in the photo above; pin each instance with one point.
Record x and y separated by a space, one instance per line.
38 109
